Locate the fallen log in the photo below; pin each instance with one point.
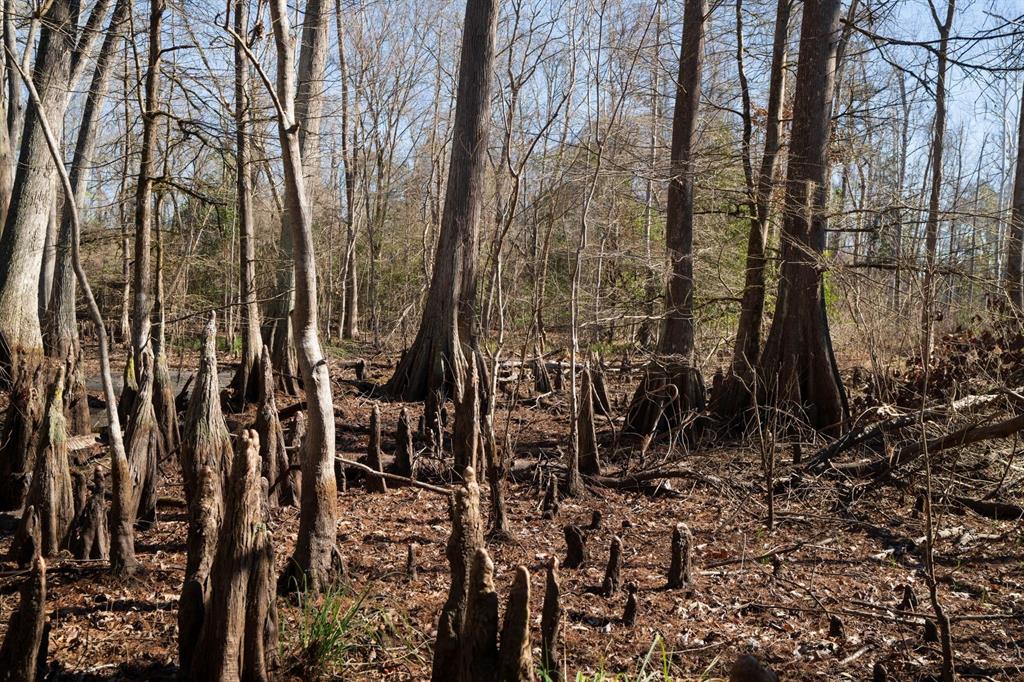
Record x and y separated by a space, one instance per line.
860 435
974 433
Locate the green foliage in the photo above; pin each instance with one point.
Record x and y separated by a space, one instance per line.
657 665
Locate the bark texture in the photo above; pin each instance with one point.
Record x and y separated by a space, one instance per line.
204 518
50 492
24 418
405 452
466 538
206 441
680 573
478 643
796 371
516 658
238 638
436 359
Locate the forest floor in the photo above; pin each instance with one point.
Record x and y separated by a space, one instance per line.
832 553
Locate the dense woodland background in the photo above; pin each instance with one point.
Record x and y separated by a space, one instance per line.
324 326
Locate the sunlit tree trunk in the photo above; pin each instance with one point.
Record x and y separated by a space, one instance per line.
1014 250
796 368
436 359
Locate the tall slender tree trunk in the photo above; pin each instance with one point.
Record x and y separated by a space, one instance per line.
61 333
245 382
436 360
796 368
308 103
734 396
672 385
142 305
1015 243
350 314
316 560
931 235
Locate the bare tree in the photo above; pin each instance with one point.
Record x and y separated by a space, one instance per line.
1014 250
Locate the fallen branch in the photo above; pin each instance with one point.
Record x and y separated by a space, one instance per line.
369 471
968 435
858 436
638 479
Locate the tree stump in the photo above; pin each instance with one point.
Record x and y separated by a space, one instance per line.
89 536
576 547
680 572
238 638
516 657
274 458
50 492
466 537
589 458
611 574
541 378
23 652
19 445
595 520
632 605
909 602
144 447
551 504
551 622
478 646
405 454
375 484
748 669
204 517
205 441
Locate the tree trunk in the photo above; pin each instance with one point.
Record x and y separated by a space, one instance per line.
25 413
307 103
350 314
316 559
163 391
931 237
672 385
734 396
24 235
436 359
50 493
90 538
245 382
1014 249
590 458
796 368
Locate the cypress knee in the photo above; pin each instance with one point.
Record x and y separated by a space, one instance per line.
405 454
611 575
516 658
89 536
478 646
551 499
551 622
466 537
273 452
632 605
576 547
749 669
375 484
680 572
23 652
590 459
204 517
